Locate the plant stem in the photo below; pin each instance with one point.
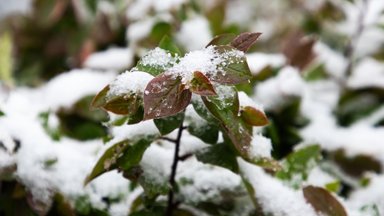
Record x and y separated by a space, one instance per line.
172 180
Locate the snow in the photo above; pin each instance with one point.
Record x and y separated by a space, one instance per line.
334 62
275 92
274 197
260 147
139 9
110 59
194 33
158 58
368 73
129 82
14 7
258 61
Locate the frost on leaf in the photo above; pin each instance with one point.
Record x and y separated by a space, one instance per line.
156 61
165 96
201 85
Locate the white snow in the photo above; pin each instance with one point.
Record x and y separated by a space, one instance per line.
129 82
194 33
368 73
273 195
258 61
110 59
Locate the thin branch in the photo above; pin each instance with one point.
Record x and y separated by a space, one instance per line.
351 46
168 139
172 180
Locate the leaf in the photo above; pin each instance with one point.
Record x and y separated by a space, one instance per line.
267 164
123 105
299 163
208 133
201 85
245 40
253 116
323 202
235 69
2 113
220 155
225 108
168 124
165 96
123 155
223 39
167 44
298 50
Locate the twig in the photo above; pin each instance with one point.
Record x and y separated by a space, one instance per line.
350 48
168 139
172 180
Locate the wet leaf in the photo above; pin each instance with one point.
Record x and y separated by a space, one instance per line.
323 202
165 96
235 69
168 124
245 40
225 108
201 85
253 116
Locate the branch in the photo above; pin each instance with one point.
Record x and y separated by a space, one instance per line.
350 48
172 180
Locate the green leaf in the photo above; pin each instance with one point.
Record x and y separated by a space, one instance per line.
208 133
168 124
127 104
299 163
124 155
201 85
323 202
245 40
167 44
220 155
268 164
253 116
225 108
333 186
165 96
223 39
2 113
235 69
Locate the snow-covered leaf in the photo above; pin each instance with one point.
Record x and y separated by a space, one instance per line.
208 132
223 39
166 43
220 155
165 96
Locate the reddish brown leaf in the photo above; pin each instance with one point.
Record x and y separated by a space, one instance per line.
253 116
245 40
298 50
165 96
323 202
201 85
100 99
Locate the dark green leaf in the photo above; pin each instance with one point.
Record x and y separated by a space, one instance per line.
220 155
253 116
299 163
167 124
225 108
208 133
235 69
245 40
167 44
323 202
165 96
201 85
124 155
2 113
223 39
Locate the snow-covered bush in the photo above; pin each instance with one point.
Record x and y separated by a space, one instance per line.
293 127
